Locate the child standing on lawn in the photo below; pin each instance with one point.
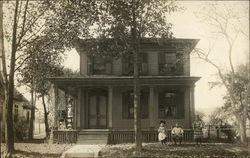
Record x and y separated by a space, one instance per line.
162 132
197 127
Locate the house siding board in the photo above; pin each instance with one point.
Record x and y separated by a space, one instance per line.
83 64
187 66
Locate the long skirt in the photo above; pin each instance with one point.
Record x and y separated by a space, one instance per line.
198 134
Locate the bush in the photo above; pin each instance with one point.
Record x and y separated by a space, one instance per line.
21 128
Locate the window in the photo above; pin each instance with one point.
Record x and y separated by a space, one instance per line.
128 104
170 63
98 65
171 104
15 113
128 65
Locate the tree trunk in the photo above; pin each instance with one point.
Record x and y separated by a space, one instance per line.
242 125
3 73
32 117
10 90
45 117
137 114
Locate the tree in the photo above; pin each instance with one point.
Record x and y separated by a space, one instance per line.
35 71
226 24
240 91
20 31
42 57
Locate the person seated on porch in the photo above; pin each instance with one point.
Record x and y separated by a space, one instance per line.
62 125
162 132
177 133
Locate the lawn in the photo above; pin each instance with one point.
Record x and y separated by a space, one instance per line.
37 150
207 150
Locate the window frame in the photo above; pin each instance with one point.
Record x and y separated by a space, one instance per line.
175 67
106 63
129 105
178 104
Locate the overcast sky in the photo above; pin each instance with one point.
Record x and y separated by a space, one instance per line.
186 25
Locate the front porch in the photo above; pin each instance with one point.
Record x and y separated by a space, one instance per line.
105 104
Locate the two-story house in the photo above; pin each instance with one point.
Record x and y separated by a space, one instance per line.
103 92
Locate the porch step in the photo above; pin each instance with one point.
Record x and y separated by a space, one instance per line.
81 151
92 137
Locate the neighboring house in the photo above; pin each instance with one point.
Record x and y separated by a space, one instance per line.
103 91
21 110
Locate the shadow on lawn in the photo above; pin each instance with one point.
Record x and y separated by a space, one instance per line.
35 141
36 154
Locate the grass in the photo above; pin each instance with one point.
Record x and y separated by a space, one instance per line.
208 150
37 150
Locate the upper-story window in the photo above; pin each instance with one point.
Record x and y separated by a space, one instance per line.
98 65
128 65
170 63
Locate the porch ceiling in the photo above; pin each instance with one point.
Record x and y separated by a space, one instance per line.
99 80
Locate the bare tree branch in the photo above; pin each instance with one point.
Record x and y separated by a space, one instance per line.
23 23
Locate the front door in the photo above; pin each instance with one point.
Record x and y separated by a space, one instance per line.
97 109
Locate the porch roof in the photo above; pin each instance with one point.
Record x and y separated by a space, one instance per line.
105 80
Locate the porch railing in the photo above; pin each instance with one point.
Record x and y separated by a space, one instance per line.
64 136
116 137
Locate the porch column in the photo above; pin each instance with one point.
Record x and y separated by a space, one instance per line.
78 109
151 107
55 87
187 117
110 106
192 107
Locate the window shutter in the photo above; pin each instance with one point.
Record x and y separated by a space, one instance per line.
125 99
180 105
90 65
144 63
161 58
144 104
161 63
144 68
108 68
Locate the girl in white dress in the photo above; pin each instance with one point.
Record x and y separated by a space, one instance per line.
162 132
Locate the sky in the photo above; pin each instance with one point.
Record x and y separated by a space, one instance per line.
187 25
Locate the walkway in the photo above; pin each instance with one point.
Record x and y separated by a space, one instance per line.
77 151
